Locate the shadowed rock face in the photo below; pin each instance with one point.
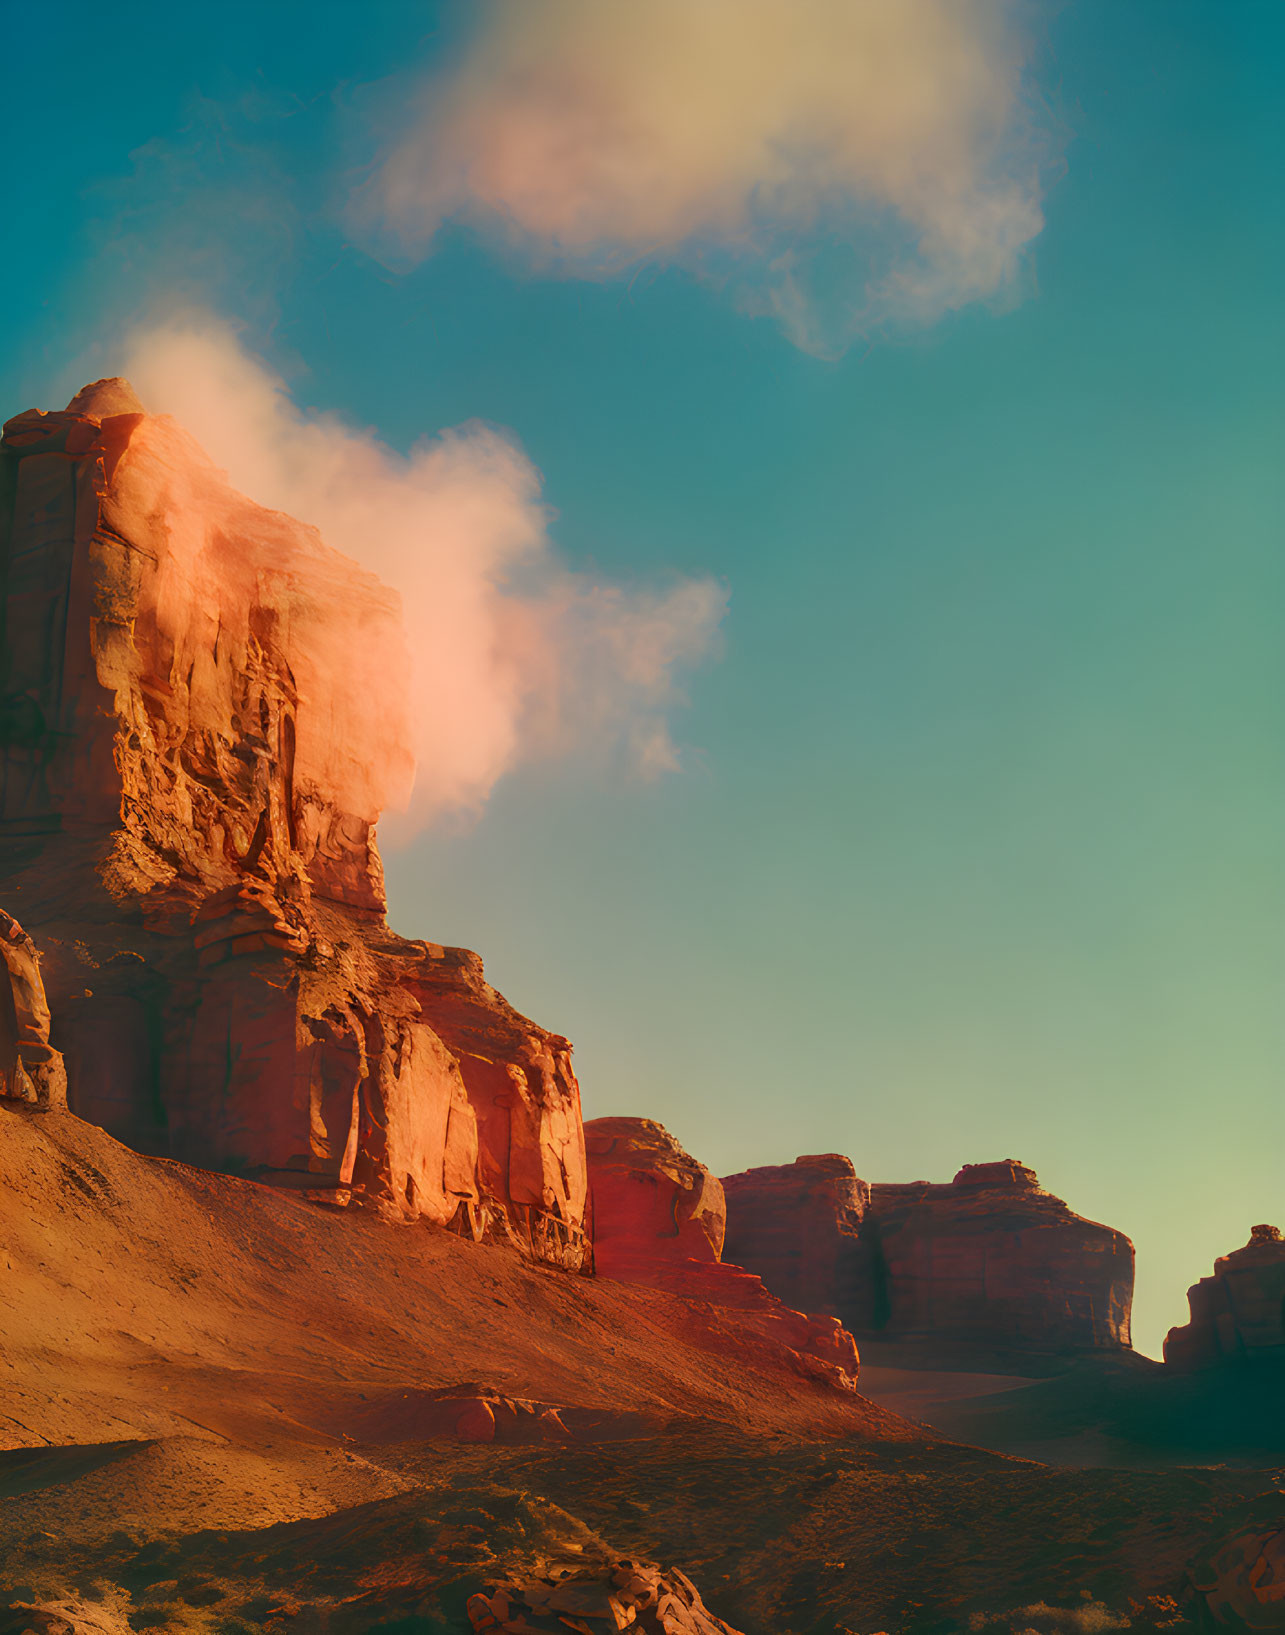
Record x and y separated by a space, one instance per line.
799 1227
994 1259
990 1260
1239 1311
202 717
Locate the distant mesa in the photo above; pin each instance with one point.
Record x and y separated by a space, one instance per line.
1239 1312
990 1261
990 1265
799 1226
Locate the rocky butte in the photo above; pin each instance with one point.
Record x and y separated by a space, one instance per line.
202 716
1239 1312
800 1227
991 1262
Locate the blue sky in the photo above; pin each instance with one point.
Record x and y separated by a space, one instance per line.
976 846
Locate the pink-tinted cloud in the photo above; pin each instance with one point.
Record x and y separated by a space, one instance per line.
515 656
839 163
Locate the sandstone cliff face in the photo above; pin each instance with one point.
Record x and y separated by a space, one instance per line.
648 1196
994 1259
1239 1312
201 719
990 1260
799 1227
659 1217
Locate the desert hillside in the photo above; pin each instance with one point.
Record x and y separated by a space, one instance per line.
230 1410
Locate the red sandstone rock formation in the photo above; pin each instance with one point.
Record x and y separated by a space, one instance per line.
799 1227
990 1261
993 1259
1239 1311
649 1196
201 719
658 1218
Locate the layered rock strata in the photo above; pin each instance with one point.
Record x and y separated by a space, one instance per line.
799 1226
991 1260
994 1259
658 1218
202 715
1239 1312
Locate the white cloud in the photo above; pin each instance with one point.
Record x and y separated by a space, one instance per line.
839 163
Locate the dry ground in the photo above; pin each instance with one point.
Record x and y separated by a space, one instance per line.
223 1411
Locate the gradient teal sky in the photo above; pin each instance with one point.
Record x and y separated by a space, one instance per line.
978 846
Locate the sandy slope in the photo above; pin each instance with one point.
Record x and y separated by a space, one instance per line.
223 1409
144 1298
